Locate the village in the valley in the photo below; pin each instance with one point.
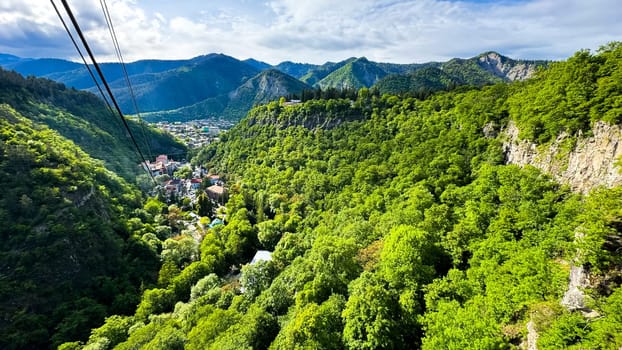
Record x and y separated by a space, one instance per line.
180 182
180 179
195 133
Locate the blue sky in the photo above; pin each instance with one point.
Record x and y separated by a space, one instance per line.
316 31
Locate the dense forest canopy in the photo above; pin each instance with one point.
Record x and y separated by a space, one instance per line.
395 223
68 253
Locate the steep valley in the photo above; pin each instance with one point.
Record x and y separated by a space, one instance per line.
459 218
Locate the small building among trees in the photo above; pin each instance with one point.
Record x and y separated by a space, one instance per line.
217 193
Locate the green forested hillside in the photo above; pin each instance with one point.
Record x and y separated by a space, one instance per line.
420 82
215 75
83 118
157 84
571 95
356 74
485 69
394 224
296 70
314 75
68 254
266 86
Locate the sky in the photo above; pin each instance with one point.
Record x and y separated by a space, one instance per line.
316 31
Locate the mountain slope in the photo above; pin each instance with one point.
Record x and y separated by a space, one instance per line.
313 76
216 75
259 65
67 258
356 74
76 75
158 84
297 70
421 81
266 86
490 68
7 59
83 118
487 68
507 68
42 66
263 88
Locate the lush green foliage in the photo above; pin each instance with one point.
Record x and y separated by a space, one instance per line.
356 74
315 74
571 95
67 254
421 82
395 224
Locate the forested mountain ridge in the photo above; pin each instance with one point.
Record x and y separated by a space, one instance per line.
76 75
422 81
83 118
313 114
356 74
213 76
69 256
200 87
298 70
401 227
266 86
484 69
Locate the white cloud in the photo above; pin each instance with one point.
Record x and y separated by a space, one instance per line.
319 30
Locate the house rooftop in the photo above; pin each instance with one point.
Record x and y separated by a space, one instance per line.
216 189
261 255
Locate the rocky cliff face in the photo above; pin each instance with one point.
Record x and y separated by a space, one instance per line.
591 163
505 67
584 165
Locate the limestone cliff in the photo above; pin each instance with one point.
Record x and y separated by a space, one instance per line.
591 162
507 68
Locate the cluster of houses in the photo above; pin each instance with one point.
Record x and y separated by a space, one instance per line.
196 133
162 165
175 187
201 180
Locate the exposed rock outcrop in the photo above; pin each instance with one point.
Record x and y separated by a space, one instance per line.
589 164
532 336
505 67
574 298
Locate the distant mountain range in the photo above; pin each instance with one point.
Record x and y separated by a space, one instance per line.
220 86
